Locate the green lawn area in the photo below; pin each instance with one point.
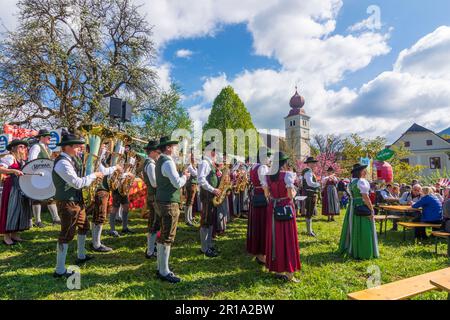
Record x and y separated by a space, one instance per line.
26 269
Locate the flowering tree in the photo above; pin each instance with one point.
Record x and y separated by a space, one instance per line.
325 161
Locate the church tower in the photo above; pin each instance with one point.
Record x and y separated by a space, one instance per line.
297 125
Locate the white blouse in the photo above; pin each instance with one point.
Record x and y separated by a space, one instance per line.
289 180
7 161
364 186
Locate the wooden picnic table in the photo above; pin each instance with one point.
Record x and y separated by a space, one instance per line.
402 289
442 282
399 208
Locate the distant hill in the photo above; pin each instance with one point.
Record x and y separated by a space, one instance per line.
446 131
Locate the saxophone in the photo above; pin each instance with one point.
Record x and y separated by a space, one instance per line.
224 186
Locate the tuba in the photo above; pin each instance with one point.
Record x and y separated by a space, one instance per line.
224 186
96 137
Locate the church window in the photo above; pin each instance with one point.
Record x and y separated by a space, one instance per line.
407 144
435 163
429 142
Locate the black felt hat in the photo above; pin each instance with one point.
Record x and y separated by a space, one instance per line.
311 160
165 141
71 139
16 142
358 167
43 133
152 145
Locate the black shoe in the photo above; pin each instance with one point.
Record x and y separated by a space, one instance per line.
55 223
260 262
114 234
127 231
39 225
211 253
189 224
102 248
66 274
171 277
83 261
151 256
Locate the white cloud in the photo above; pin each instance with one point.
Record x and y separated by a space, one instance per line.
184 53
8 15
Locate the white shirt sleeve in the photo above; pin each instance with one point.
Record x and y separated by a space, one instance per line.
7 161
106 171
67 172
169 170
203 171
289 179
34 152
263 171
192 170
309 179
364 186
150 172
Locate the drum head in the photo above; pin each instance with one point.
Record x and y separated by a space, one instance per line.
35 186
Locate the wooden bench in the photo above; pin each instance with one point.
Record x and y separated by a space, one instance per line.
380 219
442 235
403 289
413 225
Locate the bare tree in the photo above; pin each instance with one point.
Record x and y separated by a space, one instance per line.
328 145
67 56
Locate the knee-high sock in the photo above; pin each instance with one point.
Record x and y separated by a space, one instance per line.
96 235
54 212
61 253
158 255
151 239
165 254
81 241
186 215
124 219
210 232
112 221
37 212
204 239
309 225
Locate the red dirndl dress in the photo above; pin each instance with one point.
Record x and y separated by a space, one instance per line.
256 225
7 186
283 255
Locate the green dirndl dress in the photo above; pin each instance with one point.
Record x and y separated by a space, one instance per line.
359 236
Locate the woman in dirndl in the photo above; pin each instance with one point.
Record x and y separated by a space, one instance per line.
282 250
330 198
359 236
15 210
256 225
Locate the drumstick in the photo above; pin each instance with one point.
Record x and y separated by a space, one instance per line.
41 174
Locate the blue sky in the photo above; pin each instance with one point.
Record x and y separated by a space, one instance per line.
373 81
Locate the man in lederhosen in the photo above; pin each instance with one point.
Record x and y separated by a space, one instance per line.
101 203
69 200
208 180
149 175
311 189
41 150
168 199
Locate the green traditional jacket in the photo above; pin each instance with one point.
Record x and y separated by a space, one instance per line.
165 192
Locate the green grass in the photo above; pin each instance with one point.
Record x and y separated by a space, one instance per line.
26 269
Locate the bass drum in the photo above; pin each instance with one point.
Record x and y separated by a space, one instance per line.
37 182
